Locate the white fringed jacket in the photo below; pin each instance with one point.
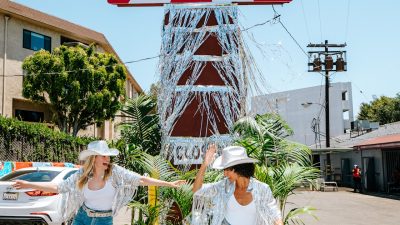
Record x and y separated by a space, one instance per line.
125 182
210 203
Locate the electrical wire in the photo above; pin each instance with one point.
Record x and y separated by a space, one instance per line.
347 21
305 21
320 21
276 17
72 71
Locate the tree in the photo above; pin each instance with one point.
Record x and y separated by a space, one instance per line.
82 86
383 110
154 89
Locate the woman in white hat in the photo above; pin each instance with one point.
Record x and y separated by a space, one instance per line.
239 199
99 189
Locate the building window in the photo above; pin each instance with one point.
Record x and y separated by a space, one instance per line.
345 96
346 114
71 42
30 116
35 41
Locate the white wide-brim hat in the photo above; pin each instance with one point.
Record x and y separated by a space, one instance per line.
231 156
98 148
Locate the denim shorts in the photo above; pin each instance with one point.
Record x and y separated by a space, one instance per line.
82 218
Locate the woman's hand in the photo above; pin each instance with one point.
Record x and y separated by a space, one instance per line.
210 154
177 183
21 184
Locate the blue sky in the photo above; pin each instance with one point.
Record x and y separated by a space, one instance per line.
370 29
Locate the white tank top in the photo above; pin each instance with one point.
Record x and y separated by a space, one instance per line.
240 215
101 199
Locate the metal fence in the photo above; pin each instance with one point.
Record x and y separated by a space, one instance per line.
23 149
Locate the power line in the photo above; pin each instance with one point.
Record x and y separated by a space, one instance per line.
140 60
276 17
294 39
72 71
305 21
347 21
320 21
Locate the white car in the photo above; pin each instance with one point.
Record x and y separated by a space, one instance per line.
28 206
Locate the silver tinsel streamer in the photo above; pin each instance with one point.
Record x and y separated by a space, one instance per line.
180 40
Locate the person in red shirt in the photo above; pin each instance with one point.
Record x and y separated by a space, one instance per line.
357 179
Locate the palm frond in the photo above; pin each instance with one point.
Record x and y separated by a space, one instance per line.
141 125
293 217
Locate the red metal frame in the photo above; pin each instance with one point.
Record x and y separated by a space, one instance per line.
144 3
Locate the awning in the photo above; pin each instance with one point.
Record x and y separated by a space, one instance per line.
389 141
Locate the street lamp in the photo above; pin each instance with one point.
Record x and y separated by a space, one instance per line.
327 136
306 104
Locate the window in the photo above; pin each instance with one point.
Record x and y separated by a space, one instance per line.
35 41
72 42
345 96
346 115
31 175
69 174
30 116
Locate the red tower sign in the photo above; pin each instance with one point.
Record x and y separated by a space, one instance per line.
204 74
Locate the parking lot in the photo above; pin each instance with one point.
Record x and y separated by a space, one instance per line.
334 208
347 208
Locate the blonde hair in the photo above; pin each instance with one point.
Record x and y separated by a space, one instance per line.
88 169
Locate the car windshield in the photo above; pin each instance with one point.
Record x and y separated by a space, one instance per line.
31 175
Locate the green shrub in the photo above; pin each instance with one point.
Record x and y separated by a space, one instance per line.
24 141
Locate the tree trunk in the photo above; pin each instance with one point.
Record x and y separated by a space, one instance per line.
75 128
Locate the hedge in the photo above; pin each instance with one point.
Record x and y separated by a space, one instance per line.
24 141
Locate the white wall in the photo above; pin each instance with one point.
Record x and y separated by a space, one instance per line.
299 117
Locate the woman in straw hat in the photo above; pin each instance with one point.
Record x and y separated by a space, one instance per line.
237 199
99 189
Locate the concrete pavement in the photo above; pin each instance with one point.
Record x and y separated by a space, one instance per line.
333 208
347 208
124 217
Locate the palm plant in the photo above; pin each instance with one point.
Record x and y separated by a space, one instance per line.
165 201
141 126
282 164
141 137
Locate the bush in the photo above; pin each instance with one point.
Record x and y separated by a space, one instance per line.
23 141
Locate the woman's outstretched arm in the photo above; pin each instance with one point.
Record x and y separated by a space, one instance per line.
41 186
198 182
148 181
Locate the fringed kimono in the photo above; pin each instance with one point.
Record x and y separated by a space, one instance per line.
124 181
210 203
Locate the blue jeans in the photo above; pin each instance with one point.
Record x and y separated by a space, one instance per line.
81 218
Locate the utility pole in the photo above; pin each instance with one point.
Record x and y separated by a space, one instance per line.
316 65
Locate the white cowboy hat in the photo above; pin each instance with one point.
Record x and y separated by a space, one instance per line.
231 156
98 148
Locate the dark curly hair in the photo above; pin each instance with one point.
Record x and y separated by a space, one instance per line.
244 170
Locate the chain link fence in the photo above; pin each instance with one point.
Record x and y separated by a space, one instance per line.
22 149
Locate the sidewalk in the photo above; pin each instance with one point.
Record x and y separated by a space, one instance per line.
346 208
341 207
124 217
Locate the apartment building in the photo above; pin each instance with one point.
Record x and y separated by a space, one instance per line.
22 32
304 110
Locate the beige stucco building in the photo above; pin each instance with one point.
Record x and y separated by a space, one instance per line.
24 31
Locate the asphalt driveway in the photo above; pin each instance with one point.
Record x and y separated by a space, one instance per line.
347 208
333 208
